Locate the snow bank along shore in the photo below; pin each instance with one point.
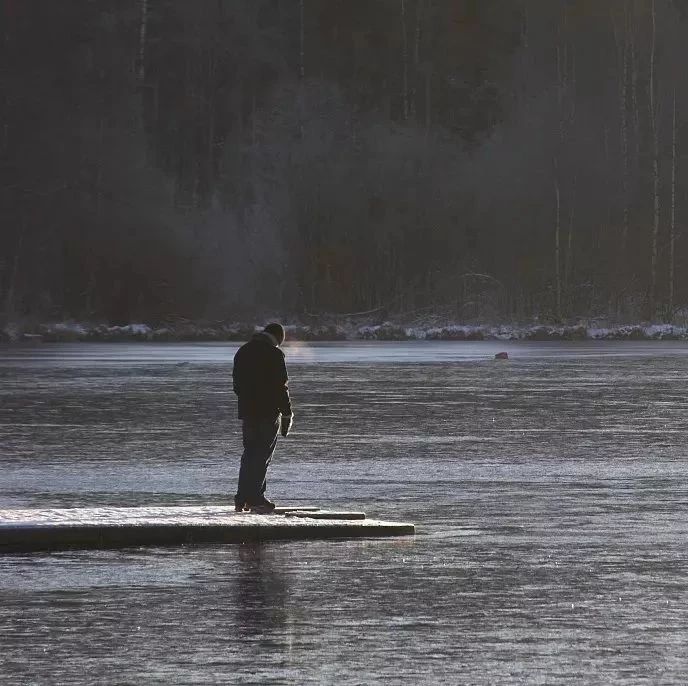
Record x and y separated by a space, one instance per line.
76 331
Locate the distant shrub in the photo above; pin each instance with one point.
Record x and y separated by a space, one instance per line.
383 332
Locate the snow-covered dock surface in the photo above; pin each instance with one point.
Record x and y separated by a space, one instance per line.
24 530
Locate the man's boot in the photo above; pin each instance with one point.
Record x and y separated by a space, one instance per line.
262 506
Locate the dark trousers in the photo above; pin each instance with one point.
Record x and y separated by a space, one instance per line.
260 439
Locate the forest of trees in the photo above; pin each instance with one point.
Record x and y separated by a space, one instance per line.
476 159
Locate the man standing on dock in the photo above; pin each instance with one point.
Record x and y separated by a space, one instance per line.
261 384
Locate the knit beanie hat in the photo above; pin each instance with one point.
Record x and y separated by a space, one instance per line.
277 330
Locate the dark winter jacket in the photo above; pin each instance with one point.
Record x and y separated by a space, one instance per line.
260 379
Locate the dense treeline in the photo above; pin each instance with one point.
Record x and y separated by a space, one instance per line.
225 158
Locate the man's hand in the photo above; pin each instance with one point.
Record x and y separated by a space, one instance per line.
286 423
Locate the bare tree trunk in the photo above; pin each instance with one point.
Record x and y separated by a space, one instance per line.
413 105
568 264
210 163
91 284
557 244
143 28
560 94
623 111
524 25
428 81
404 42
622 42
11 290
560 146
634 96
652 298
672 227
566 110
302 66
141 71
302 37
254 115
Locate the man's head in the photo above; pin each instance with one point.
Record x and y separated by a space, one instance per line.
276 330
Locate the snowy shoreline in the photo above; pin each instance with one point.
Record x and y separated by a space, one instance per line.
88 332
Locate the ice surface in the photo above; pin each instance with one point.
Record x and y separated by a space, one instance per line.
549 492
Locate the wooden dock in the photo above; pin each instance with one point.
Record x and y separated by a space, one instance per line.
26 530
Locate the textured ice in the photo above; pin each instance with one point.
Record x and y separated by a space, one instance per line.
550 499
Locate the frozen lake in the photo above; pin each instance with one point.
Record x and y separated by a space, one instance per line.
550 494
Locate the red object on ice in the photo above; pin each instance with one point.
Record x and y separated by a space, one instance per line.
502 356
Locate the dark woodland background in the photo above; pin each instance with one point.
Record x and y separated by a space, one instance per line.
479 159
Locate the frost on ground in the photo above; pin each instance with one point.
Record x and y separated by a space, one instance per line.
388 331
